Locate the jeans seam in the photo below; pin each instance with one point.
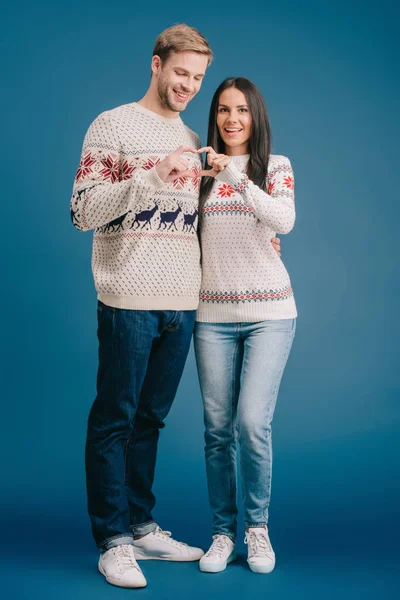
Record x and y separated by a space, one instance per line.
233 395
277 384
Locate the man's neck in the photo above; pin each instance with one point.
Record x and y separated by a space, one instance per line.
152 102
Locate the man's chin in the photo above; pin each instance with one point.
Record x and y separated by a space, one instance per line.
176 105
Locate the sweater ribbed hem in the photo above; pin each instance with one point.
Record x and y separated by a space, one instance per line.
231 175
153 179
251 312
160 303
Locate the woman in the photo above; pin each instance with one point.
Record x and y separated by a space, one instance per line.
246 317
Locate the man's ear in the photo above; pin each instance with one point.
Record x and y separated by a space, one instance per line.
156 64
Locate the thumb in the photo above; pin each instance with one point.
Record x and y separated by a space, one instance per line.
183 149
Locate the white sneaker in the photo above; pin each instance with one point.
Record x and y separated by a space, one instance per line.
261 557
119 567
220 553
159 545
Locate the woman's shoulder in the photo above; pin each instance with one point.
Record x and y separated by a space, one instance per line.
278 159
277 162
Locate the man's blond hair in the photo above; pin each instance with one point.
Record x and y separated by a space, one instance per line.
181 38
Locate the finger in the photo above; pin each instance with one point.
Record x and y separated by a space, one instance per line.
206 149
180 175
190 174
180 165
276 241
210 159
222 162
182 149
208 173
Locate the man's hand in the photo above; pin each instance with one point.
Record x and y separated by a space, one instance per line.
218 162
276 244
175 165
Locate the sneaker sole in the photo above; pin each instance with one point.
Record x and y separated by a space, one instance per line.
119 583
217 568
261 568
168 558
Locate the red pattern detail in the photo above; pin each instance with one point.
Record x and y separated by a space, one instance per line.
151 162
271 186
179 182
242 185
196 180
110 170
225 191
127 170
223 207
230 298
85 166
289 182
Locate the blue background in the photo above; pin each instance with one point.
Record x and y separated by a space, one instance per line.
328 73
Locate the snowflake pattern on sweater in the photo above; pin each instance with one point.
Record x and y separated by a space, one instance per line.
146 252
243 278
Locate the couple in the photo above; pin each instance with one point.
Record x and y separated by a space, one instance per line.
141 186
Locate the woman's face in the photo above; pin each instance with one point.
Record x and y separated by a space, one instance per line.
234 121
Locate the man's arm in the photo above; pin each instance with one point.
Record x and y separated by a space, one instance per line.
100 193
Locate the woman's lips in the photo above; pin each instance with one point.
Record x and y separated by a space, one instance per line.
231 131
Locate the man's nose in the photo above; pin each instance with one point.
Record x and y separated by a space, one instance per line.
188 85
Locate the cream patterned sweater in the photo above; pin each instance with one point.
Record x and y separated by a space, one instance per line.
243 278
146 253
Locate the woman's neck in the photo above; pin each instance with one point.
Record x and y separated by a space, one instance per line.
237 150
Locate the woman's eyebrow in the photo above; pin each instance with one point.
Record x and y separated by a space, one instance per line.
238 106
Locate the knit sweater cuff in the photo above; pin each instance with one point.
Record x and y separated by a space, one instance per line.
153 179
232 175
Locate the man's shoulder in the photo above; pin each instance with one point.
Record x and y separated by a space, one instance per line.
114 114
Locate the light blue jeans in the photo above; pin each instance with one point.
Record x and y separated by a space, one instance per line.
240 368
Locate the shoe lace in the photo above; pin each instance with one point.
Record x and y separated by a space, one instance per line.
167 537
218 547
258 542
125 556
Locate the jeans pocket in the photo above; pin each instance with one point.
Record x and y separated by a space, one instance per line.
103 310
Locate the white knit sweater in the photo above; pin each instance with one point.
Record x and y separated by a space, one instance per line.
146 252
243 278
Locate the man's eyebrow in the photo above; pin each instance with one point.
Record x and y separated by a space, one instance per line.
187 72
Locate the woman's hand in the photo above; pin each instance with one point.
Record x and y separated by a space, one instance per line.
276 244
218 162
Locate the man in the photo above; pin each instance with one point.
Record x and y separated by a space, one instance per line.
137 186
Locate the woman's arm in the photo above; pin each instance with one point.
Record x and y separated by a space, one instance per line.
276 208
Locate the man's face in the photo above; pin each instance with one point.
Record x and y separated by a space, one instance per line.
179 78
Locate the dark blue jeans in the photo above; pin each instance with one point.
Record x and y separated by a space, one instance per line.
141 359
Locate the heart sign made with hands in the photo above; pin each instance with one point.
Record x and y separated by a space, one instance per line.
217 162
